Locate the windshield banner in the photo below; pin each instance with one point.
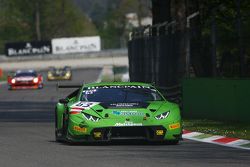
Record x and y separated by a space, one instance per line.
124 105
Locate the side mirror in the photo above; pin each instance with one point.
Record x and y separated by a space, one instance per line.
63 101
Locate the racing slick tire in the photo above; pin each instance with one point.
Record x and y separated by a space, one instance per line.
172 142
9 87
40 86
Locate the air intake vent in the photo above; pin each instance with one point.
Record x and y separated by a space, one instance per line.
152 110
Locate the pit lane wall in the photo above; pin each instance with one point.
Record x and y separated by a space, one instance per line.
217 99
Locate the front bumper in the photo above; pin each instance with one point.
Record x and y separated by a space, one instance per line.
102 134
33 86
50 78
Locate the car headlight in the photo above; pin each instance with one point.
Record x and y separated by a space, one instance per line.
162 116
91 117
35 80
13 81
50 74
67 74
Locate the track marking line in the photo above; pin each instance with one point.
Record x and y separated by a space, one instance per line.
192 134
210 139
216 139
225 140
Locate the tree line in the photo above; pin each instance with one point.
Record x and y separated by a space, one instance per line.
28 20
219 33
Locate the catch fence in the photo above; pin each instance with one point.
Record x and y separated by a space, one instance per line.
154 58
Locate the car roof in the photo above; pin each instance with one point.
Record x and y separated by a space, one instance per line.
118 83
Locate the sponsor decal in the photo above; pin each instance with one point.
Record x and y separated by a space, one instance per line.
159 132
128 113
28 48
79 129
128 123
174 126
123 104
97 134
83 105
89 92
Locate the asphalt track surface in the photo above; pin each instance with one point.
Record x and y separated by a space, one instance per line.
27 138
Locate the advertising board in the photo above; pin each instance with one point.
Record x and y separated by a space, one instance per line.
76 45
28 48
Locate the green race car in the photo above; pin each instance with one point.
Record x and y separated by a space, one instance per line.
118 110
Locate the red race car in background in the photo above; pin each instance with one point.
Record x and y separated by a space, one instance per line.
25 79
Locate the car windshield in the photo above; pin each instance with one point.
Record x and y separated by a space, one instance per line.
121 95
26 74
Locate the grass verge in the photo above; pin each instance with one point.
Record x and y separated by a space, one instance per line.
3 78
229 129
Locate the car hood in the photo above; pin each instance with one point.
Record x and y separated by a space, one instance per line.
24 78
118 110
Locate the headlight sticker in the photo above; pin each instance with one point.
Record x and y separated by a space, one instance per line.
162 116
91 117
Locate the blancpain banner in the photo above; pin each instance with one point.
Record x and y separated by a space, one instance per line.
28 48
76 45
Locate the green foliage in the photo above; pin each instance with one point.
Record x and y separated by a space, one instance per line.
66 21
113 31
57 18
227 36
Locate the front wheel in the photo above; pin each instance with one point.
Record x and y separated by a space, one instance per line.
59 133
40 86
172 142
9 87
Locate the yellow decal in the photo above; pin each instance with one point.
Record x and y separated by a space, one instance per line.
159 132
97 134
174 126
79 129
